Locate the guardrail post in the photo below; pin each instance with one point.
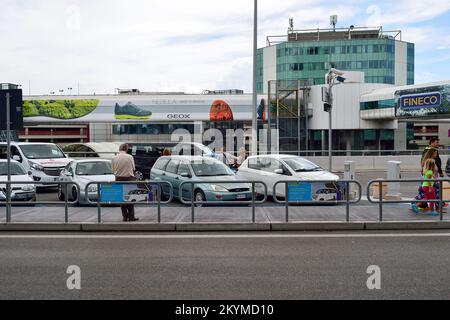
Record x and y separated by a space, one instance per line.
8 202
66 207
286 197
380 195
441 199
253 203
192 203
159 202
99 206
347 189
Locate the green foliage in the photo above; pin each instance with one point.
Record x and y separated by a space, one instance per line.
59 109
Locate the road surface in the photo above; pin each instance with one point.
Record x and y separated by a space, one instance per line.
225 266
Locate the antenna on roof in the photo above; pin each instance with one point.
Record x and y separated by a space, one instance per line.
333 22
291 25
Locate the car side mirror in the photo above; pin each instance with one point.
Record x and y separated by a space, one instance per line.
17 158
279 171
30 173
185 175
68 174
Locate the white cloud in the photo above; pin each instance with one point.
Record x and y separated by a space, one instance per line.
161 45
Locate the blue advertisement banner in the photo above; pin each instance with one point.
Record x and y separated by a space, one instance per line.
301 191
419 101
118 193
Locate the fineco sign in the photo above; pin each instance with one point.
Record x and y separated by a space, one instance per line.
421 101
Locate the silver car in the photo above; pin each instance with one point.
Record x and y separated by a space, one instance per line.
84 172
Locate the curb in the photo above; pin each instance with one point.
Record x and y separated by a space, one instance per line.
408 225
226 227
189 227
40 227
319 226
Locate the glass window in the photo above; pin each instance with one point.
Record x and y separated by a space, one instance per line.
161 163
301 165
253 163
210 168
183 168
96 168
16 169
42 151
172 167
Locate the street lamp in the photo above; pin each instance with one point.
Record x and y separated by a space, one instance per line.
332 75
70 90
61 91
255 97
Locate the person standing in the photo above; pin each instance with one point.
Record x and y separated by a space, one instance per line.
434 145
123 168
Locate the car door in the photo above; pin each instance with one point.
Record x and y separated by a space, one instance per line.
184 168
171 175
251 171
269 170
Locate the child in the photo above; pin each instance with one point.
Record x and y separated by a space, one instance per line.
429 172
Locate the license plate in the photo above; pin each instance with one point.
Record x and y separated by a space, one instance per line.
241 196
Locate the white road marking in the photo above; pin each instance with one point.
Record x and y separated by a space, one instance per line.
231 236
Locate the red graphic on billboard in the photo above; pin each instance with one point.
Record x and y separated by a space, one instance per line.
221 111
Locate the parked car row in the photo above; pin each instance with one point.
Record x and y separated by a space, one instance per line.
48 163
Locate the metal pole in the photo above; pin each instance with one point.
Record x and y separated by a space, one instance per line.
99 206
347 189
380 194
192 204
66 208
286 195
441 203
159 203
330 130
8 155
255 97
253 203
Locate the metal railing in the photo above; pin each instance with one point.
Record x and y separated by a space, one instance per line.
147 203
9 202
347 201
381 201
193 202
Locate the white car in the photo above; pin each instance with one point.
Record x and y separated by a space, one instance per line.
326 194
138 195
83 172
271 169
44 160
19 192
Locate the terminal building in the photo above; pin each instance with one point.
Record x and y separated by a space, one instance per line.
367 110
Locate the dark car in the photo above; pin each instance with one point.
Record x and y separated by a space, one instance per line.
146 153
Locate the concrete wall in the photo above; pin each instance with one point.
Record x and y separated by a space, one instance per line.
346 108
269 66
409 163
401 63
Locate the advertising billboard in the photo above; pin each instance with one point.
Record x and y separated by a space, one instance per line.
423 102
112 109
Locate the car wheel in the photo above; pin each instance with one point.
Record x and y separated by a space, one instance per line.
139 176
199 197
74 195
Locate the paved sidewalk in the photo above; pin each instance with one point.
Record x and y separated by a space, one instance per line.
358 213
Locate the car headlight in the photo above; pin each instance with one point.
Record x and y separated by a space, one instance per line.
218 188
28 188
36 166
93 188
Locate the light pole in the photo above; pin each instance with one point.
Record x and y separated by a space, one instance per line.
332 75
70 91
255 97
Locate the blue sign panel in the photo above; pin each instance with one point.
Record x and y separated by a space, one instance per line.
301 191
421 101
111 193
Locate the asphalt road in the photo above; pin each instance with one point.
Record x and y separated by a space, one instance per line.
225 266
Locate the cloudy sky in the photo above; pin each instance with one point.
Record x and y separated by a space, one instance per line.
179 45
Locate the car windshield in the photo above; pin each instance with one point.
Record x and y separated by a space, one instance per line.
94 169
301 165
203 168
16 169
42 151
